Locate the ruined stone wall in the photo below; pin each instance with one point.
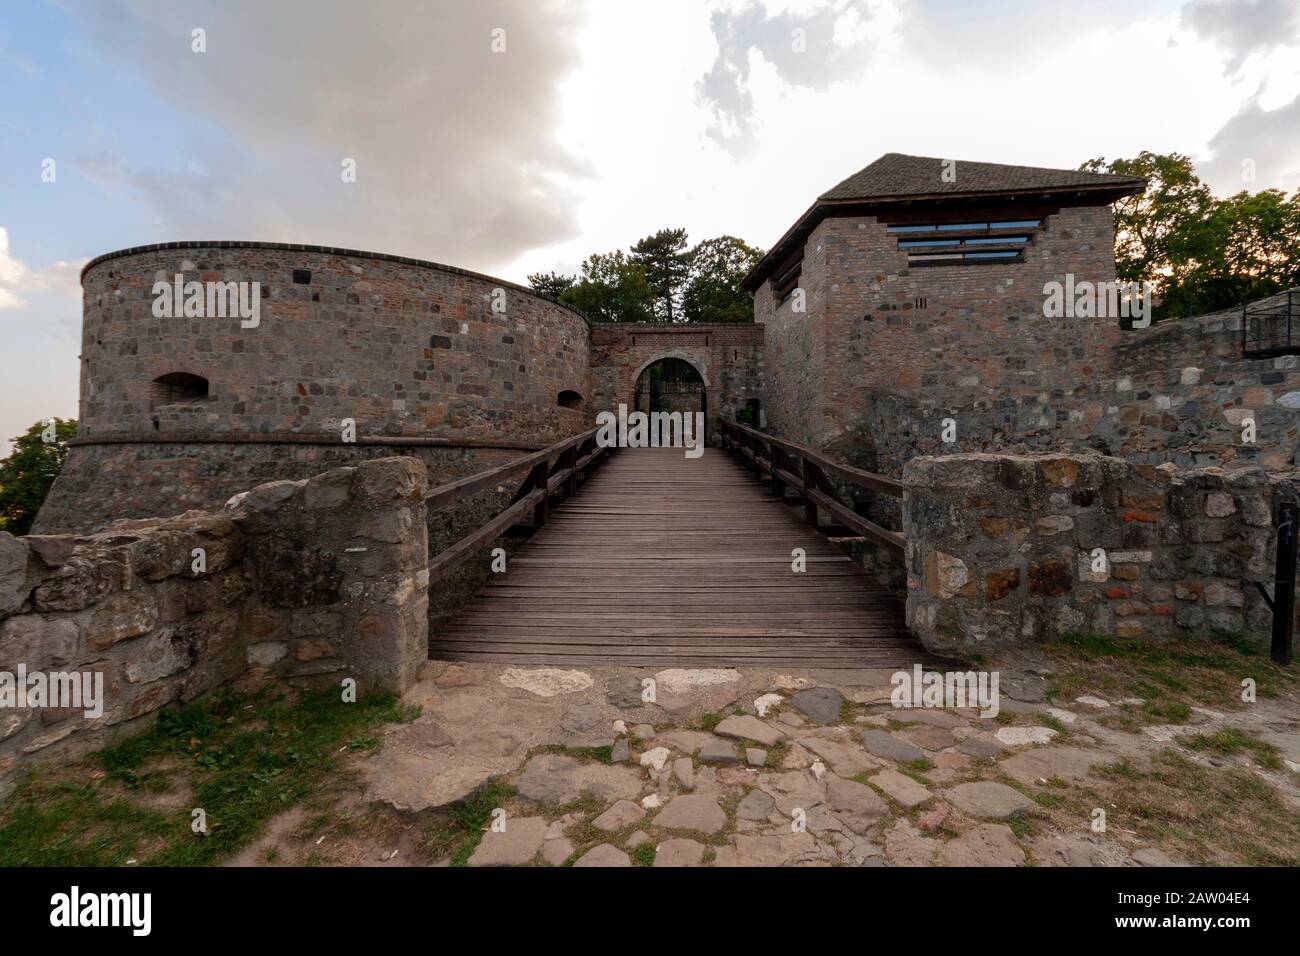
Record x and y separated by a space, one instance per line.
1001 549
728 356
310 580
101 483
1180 391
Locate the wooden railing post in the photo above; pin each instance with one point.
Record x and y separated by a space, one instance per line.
775 459
810 481
570 460
537 479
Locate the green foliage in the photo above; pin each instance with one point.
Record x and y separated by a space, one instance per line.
1233 740
457 837
661 279
246 759
1201 253
29 471
612 288
667 262
550 284
713 293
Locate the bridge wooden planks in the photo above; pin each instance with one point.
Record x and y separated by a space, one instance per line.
662 560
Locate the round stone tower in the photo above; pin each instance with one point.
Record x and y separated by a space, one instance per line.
208 367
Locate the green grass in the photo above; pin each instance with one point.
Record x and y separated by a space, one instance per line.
1020 826
644 854
707 721
458 835
1168 711
1170 676
1055 723
1233 740
245 759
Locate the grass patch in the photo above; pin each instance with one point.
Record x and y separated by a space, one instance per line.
245 758
1167 711
1055 723
707 721
1234 740
644 854
1209 815
458 836
776 754
1020 826
1170 677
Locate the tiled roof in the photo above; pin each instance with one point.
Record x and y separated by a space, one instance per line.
896 174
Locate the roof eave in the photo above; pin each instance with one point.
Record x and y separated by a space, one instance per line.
1128 186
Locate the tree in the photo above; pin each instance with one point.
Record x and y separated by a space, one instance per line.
713 293
612 289
551 284
1201 253
660 280
667 264
29 471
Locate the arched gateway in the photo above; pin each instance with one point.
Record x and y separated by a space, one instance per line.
711 368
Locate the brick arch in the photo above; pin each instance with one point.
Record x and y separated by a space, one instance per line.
728 357
692 360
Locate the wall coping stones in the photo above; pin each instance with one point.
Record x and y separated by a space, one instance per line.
320 250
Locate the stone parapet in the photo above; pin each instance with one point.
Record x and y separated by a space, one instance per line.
1011 549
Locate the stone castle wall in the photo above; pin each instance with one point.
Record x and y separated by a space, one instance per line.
885 353
413 352
1002 549
305 581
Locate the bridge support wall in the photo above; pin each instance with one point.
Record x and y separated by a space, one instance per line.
1013 549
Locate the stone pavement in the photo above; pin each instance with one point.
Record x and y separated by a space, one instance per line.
830 774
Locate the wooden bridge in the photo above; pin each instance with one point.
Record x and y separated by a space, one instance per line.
663 560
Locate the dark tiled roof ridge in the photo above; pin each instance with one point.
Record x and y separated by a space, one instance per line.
902 174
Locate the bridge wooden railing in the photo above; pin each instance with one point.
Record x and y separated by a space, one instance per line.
787 465
554 471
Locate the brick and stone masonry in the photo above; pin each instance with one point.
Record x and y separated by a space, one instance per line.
728 357
1010 549
305 581
412 351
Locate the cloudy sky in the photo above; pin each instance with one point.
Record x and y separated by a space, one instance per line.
510 136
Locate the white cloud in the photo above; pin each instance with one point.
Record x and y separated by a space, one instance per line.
14 275
17 280
1244 27
1268 140
455 147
